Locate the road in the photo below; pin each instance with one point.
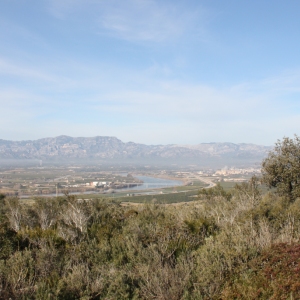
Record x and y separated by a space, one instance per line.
207 181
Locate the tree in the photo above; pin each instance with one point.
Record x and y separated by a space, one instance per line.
47 212
13 212
76 213
281 169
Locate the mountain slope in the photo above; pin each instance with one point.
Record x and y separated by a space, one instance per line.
103 147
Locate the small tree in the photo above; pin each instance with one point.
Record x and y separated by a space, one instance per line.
76 213
14 213
248 190
281 169
47 212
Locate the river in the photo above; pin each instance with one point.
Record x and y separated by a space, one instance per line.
154 183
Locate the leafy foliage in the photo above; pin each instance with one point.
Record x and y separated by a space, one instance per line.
281 169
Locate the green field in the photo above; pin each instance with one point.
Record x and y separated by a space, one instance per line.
162 198
228 185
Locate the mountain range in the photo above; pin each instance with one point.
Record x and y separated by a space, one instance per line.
110 148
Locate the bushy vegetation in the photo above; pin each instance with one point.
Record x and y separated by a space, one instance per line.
70 249
237 245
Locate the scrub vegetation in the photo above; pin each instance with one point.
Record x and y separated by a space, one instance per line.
236 244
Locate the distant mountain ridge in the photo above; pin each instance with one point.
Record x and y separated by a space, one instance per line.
104 147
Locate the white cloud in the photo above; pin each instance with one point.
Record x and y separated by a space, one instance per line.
63 8
177 100
135 20
8 68
57 77
142 20
288 81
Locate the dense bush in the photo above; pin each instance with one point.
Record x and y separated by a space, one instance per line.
272 275
237 245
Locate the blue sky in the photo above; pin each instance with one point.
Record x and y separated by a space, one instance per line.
153 72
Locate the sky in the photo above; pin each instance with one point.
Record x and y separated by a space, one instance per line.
148 71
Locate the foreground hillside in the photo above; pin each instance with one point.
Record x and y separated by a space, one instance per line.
226 246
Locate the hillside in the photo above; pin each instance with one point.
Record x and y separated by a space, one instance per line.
237 245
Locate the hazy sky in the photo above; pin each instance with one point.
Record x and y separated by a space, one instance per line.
154 72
